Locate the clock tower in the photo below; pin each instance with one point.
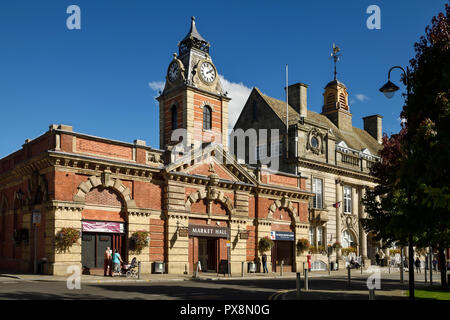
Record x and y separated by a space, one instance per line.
193 98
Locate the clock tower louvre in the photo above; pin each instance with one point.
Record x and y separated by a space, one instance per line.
193 98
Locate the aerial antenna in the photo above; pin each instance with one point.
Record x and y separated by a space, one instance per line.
336 56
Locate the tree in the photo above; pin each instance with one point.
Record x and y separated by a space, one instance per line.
413 173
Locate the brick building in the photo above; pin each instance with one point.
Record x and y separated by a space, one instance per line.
197 205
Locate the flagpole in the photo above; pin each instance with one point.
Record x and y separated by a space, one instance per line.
287 114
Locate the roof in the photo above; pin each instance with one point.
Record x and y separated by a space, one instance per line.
193 33
357 139
279 107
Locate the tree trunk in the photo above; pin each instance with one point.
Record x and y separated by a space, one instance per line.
411 267
443 265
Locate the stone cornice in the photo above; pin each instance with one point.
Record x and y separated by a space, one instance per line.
336 170
64 205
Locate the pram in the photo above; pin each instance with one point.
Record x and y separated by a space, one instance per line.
130 270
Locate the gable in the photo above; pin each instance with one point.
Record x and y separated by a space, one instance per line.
204 169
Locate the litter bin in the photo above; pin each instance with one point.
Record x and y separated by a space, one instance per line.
158 267
42 266
251 267
331 265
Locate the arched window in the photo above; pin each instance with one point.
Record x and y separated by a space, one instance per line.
207 117
347 239
174 117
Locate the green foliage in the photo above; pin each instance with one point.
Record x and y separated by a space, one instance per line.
138 241
66 238
265 244
302 246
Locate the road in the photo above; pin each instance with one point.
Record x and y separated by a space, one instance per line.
334 287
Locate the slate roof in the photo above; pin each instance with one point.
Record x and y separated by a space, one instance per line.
357 139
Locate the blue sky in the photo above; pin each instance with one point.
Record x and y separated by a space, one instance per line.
99 79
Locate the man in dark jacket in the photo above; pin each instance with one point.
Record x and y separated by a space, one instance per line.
264 262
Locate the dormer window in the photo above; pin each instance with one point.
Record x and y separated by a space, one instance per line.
207 117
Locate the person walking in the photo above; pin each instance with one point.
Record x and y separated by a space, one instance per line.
417 263
435 262
107 259
377 259
264 262
117 260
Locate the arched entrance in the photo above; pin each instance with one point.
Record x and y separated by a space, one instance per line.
104 220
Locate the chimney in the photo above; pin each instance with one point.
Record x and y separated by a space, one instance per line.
297 98
373 125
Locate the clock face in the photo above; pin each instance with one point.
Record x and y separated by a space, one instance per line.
173 71
207 72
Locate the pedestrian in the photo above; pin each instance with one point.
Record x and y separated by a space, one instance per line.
417 263
107 259
117 260
377 259
264 262
435 262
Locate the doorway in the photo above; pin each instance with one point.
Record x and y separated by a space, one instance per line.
283 250
207 254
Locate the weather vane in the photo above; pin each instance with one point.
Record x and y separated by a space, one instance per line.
336 56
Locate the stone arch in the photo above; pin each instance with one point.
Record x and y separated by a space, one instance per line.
353 234
286 204
107 182
213 195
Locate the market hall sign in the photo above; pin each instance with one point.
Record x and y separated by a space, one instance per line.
208 231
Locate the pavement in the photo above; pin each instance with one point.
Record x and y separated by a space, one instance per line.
201 277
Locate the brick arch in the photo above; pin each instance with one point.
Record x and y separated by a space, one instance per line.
115 184
286 204
214 195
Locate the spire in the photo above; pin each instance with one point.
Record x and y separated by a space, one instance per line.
193 40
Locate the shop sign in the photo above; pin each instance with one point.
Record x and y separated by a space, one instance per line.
244 234
101 226
36 218
208 231
282 235
183 232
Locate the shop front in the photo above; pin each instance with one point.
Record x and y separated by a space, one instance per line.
208 245
283 251
96 237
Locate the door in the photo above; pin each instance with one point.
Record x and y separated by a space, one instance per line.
274 257
103 241
88 250
212 256
203 253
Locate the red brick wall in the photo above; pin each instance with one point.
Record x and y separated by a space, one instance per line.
66 142
168 116
251 206
303 212
103 197
281 227
217 208
199 207
216 119
281 214
156 240
103 215
147 195
283 180
104 149
203 169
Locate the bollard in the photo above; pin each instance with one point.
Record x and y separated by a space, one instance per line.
298 285
303 269
371 294
139 270
242 269
281 268
349 275
306 279
425 275
196 271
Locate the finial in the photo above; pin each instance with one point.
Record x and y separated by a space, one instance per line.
335 57
193 19
175 55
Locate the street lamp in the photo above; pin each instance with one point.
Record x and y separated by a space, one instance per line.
388 90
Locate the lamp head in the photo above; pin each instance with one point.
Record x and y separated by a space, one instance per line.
389 89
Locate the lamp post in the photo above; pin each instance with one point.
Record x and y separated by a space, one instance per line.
389 89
